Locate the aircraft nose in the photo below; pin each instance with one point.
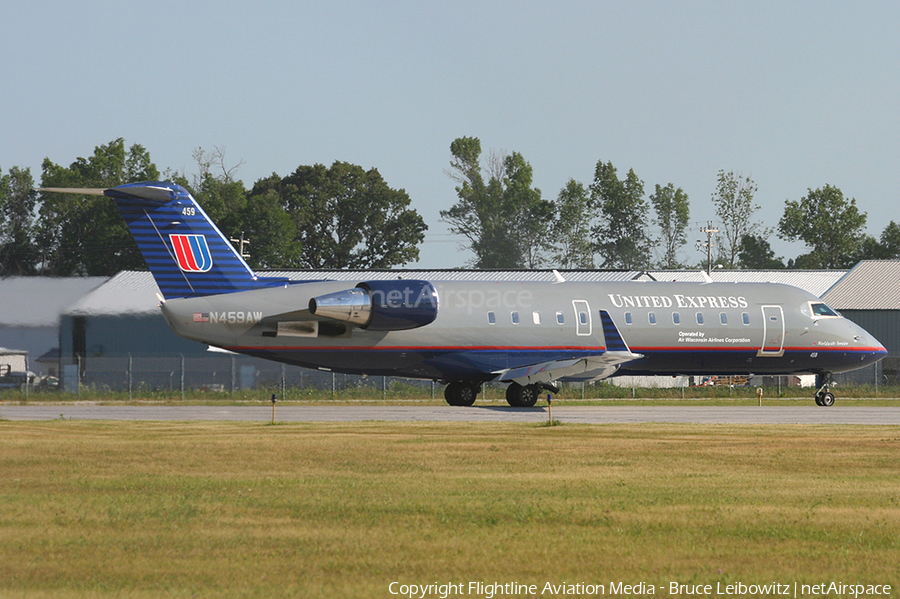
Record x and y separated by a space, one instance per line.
872 350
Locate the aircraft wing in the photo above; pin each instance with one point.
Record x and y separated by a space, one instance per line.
604 363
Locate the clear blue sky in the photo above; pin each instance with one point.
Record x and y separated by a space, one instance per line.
792 94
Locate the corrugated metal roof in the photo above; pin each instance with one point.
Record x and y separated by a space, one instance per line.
816 282
456 275
39 301
129 292
5 351
870 285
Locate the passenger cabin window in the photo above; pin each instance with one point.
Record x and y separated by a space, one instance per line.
492 319
676 318
536 317
582 318
560 319
515 317
652 317
723 318
628 318
699 317
745 318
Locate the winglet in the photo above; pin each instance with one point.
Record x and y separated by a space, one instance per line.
614 340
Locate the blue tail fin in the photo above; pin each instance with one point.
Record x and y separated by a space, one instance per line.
184 250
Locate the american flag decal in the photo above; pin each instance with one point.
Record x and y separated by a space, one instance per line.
201 316
191 252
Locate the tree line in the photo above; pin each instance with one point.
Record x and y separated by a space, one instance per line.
345 216
607 223
318 217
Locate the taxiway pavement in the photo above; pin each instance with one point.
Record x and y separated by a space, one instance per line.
574 414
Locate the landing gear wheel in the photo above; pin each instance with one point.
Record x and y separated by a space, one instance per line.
512 395
824 397
461 393
522 397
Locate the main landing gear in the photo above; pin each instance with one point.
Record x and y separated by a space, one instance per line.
824 397
464 393
519 396
461 393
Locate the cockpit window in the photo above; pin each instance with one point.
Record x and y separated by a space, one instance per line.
819 310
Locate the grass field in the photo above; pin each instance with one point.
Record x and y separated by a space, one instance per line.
141 509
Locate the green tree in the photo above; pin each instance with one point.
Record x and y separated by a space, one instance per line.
85 235
890 241
673 213
830 225
340 217
216 188
756 253
18 253
887 248
531 217
224 199
733 201
504 219
572 229
273 231
621 236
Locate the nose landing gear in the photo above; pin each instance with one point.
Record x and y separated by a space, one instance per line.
824 397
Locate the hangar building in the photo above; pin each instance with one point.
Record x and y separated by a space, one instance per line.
31 309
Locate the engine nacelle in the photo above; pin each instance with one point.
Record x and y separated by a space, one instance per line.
390 305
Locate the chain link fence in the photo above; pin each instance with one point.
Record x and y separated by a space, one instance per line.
223 374
228 374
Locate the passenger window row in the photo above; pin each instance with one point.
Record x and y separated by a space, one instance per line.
629 319
535 317
699 316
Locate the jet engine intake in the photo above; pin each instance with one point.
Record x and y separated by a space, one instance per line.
390 305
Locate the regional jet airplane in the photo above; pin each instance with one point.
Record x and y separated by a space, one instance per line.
464 333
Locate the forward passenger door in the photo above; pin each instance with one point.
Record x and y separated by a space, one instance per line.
773 331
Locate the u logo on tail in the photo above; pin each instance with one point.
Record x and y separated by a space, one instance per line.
192 252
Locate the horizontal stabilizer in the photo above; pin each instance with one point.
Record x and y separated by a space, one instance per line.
78 190
146 191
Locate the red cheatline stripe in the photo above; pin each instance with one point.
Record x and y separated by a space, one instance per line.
544 348
419 348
